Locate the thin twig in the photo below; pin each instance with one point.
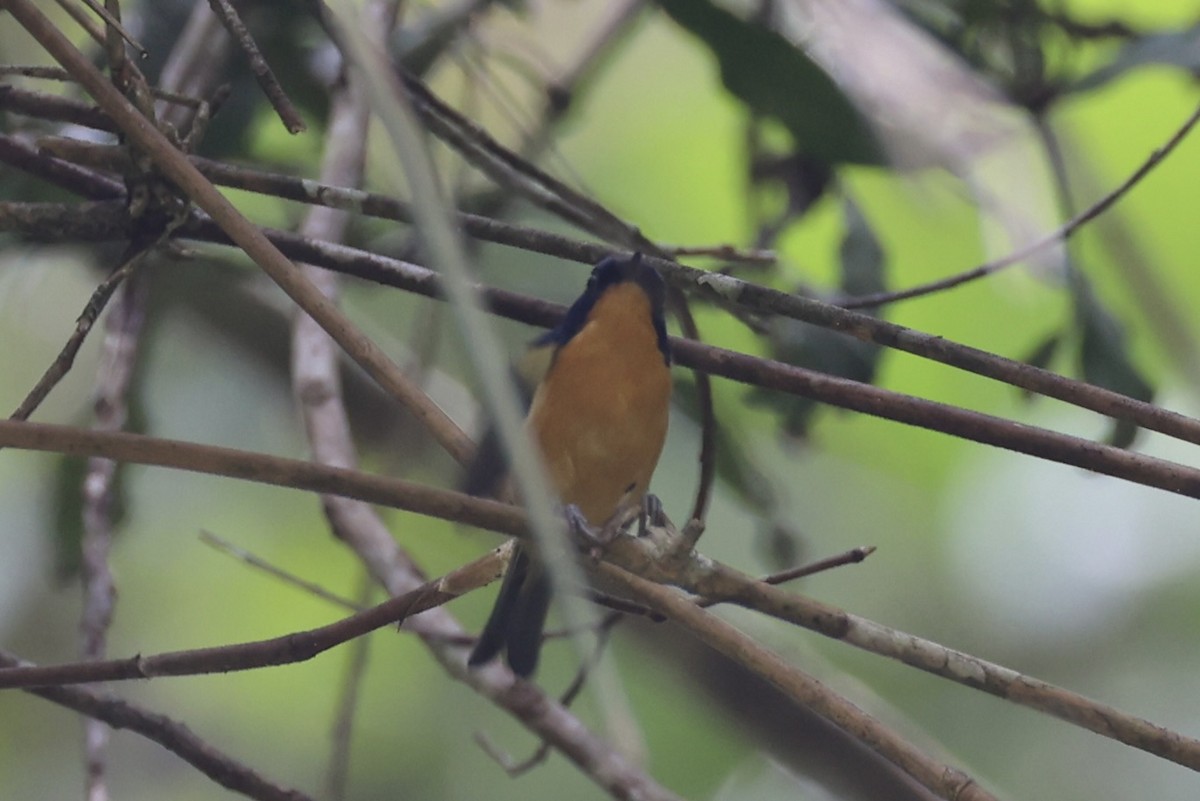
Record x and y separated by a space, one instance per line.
1060 234
113 21
139 449
285 650
258 563
712 579
510 170
114 376
35 71
850 557
166 732
176 168
258 65
83 325
53 108
707 412
513 768
195 64
83 19
341 734
726 252
59 74
69 176
946 781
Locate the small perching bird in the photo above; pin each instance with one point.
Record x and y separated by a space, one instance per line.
599 420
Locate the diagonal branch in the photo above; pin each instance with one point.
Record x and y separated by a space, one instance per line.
83 326
944 780
258 66
717 582
175 166
288 649
1057 236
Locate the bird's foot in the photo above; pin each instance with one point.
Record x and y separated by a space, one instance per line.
652 515
589 540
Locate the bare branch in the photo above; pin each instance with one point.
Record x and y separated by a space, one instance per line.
176 167
716 581
258 563
117 363
399 494
73 178
258 66
843 393
83 326
113 21
53 108
170 734
728 288
1060 234
289 649
701 577
83 19
944 780
349 694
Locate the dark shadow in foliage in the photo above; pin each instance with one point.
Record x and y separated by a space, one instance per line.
1101 353
821 349
1104 358
1174 49
774 78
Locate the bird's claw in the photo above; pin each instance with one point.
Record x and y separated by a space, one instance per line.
652 515
591 541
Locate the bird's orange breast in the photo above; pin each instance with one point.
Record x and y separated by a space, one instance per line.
600 415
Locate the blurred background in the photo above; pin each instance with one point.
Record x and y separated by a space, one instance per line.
960 130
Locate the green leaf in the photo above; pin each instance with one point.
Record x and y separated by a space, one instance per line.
774 78
1041 356
815 348
1104 358
780 543
67 503
862 255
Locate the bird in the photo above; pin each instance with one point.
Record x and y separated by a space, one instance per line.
598 418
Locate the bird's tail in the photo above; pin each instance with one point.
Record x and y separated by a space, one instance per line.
518 618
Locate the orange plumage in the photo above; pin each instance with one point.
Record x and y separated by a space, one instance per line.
599 418
600 415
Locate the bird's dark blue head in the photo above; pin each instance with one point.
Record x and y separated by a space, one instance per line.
609 273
